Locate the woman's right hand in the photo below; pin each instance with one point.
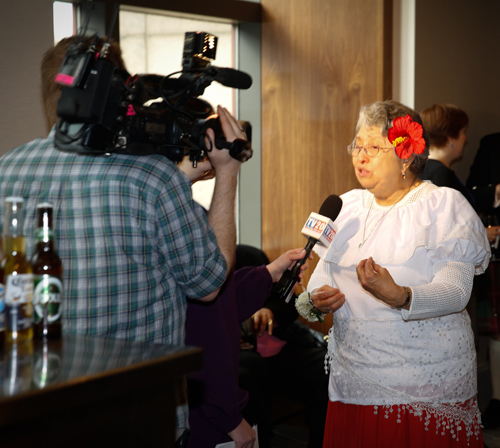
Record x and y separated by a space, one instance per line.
327 299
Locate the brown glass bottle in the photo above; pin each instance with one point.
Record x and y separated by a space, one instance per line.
47 275
17 275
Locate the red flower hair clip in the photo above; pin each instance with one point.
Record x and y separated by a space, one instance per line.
406 136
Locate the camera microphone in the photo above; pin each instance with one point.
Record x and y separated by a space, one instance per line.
318 229
230 77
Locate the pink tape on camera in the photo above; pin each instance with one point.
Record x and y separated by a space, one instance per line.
63 79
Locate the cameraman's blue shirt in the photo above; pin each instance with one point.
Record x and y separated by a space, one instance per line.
132 241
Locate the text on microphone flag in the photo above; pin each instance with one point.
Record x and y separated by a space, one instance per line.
320 228
315 225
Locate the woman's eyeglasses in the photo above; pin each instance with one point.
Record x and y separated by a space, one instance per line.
370 150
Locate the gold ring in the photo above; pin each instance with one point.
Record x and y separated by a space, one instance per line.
270 322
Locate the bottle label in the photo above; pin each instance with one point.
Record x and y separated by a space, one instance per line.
18 301
2 307
48 293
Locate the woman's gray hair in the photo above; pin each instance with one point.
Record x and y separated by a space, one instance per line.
381 114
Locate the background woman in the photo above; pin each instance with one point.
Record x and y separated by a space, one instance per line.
398 276
446 127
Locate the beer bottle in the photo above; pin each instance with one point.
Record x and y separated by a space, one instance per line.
47 275
17 275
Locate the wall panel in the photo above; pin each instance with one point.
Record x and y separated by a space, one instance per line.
454 63
321 60
26 32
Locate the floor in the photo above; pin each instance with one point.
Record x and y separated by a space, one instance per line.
291 432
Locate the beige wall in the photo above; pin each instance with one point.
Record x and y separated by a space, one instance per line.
321 60
26 31
458 61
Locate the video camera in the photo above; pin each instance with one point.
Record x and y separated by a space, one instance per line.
104 110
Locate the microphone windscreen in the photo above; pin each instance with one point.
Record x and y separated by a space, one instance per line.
234 78
331 207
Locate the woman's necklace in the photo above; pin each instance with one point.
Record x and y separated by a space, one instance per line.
380 219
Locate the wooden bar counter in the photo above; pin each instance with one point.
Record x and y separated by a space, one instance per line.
91 392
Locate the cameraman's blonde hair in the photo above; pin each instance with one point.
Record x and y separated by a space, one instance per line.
51 63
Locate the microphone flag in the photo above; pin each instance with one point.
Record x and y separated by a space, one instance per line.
318 229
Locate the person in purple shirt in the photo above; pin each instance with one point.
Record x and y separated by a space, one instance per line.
217 404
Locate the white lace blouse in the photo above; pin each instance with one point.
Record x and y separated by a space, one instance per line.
434 242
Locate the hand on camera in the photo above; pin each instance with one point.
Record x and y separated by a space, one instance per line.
221 160
203 170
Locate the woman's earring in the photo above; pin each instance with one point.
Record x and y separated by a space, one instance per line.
403 174
451 145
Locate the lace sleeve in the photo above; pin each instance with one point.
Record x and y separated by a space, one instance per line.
321 276
448 292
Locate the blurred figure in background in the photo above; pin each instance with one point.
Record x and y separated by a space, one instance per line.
484 183
446 127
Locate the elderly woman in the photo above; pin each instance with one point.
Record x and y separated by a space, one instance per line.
397 276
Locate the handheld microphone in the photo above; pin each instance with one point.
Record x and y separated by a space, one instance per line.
318 229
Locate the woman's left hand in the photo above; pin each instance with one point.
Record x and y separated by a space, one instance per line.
378 282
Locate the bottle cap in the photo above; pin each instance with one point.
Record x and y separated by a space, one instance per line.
45 205
14 199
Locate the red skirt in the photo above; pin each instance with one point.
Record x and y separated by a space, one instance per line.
357 426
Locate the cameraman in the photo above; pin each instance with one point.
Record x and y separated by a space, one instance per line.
132 241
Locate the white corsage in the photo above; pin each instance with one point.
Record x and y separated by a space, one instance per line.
306 309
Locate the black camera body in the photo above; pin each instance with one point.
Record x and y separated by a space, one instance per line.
105 110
